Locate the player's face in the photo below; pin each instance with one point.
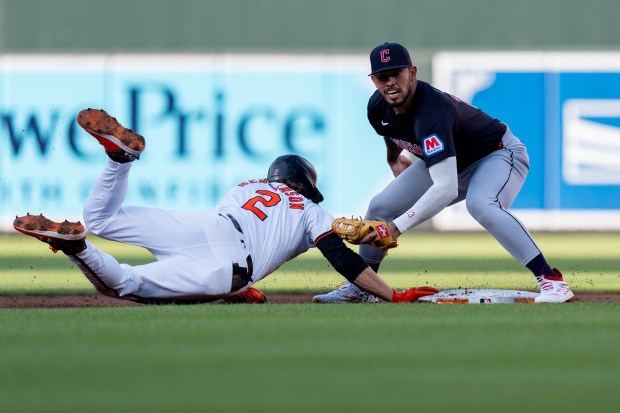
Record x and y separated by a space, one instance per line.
396 86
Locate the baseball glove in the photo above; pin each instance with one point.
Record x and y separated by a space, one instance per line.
354 230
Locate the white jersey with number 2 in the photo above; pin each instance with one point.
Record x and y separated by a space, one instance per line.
278 223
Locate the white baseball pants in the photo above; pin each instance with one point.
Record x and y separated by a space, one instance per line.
194 251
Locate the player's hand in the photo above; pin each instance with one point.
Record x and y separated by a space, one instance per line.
412 294
372 236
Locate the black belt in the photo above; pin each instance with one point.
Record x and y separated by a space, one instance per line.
242 276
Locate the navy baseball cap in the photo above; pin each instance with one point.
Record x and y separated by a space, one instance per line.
389 56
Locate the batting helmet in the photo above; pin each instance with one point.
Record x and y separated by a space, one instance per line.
298 173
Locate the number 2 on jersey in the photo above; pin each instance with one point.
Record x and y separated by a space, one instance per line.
267 198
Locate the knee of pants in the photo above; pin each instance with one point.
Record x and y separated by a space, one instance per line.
93 223
479 208
379 209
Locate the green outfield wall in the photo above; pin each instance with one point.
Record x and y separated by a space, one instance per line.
304 25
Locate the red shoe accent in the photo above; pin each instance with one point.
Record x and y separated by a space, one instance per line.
110 133
61 236
249 296
39 227
558 276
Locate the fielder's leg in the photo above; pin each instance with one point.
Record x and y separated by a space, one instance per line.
493 185
399 195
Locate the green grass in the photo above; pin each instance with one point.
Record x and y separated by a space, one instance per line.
311 358
320 358
590 263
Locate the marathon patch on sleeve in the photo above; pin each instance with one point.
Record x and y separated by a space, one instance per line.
432 145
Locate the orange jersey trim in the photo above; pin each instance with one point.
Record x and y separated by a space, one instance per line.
320 237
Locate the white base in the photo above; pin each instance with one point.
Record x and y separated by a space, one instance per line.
480 296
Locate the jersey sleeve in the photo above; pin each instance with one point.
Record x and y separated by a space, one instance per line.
435 134
319 222
343 259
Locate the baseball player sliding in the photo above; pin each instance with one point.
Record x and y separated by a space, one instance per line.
464 154
202 256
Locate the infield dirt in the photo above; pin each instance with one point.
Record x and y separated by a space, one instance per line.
75 301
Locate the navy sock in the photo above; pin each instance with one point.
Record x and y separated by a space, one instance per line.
539 266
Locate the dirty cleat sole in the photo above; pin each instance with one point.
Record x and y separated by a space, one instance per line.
115 138
46 230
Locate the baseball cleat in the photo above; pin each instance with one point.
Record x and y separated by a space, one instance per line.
121 144
346 293
66 236
553 289
249 296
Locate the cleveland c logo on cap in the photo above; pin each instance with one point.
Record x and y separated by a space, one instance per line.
389 56
385 55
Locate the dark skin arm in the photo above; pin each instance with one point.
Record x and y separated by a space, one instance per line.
398 163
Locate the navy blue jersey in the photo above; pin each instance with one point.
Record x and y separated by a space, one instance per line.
437 126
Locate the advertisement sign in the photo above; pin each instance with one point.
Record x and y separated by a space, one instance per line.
566 108
210 122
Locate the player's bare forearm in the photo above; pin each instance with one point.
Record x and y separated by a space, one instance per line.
400 165
370 282
398 162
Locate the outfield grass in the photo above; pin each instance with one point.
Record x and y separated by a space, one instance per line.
320 358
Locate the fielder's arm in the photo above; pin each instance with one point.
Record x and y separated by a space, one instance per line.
444 190
398 163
